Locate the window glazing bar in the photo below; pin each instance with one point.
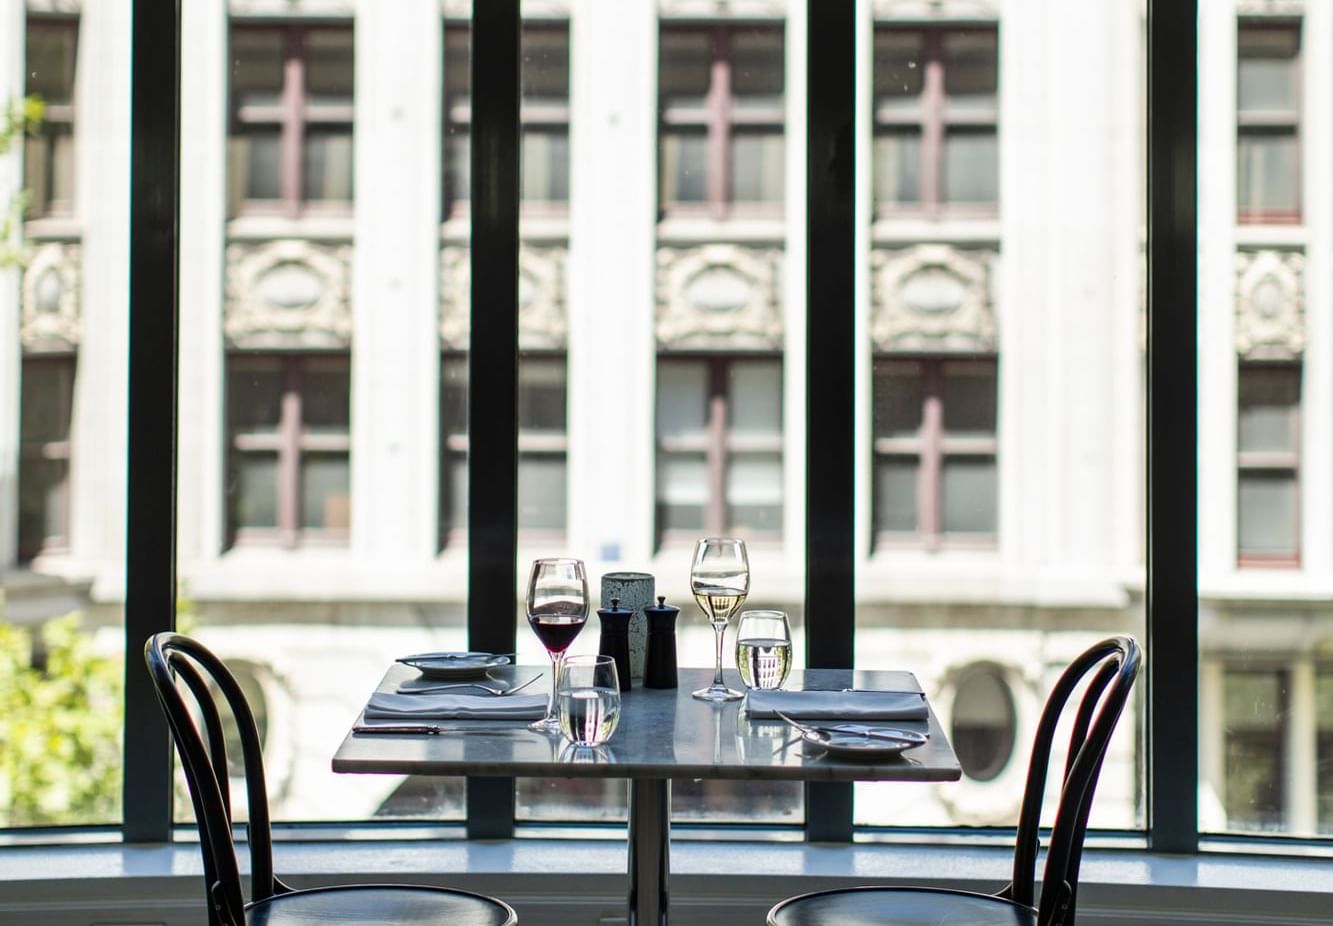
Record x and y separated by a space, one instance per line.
154 313
493 366
1172 561
830 359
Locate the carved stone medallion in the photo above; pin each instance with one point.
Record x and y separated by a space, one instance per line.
51 290
542 322
288 294
932 297
1270 304
719 296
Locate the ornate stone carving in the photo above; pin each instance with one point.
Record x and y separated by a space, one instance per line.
933 297
937 9
1270 304
1270 7
723 9
51 290
542 322
320 8
288 294
721 296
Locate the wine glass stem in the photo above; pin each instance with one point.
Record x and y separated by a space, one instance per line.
557 660
719 631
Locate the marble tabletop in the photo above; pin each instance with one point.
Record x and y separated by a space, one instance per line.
662 734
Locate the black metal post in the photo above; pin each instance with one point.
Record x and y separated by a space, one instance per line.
830 456
150 541
1173 604
493 366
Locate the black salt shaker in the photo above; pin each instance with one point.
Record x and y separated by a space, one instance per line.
615 639
660 660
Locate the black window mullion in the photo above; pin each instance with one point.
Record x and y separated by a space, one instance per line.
493 367
1172 561
150 560
830 369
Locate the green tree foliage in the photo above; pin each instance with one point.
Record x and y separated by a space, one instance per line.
60 728
18 118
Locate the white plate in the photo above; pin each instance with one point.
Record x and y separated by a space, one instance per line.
454 665
855 746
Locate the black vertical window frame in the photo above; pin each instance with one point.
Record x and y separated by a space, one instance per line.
493 367
830 456
150 542
1172 600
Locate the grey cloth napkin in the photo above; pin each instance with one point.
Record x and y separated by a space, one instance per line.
385 705
837 705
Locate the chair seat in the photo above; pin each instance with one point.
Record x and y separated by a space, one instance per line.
899 906
382 904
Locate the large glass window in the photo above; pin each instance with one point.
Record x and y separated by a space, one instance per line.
1268 464
44 454
1268 121
48 158
291 106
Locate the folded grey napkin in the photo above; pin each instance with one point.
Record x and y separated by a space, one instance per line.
385 705
837 705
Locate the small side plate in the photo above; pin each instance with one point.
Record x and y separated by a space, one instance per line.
445 666
855 746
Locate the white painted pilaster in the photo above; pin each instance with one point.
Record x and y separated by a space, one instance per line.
794 299
612 219
11 355
201 420
395 291
864 208
1212 745
1301 792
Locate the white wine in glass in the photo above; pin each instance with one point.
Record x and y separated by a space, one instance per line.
720 581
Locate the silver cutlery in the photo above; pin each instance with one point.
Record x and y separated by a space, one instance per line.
427 729
489 689
860 729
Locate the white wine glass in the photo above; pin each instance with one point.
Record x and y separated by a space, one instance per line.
589 696
720 580
557 607
763 648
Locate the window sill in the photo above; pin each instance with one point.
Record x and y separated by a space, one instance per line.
714 882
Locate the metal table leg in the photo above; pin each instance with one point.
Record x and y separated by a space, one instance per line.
649 850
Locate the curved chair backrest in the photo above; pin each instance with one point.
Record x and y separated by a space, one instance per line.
172 657
1113 665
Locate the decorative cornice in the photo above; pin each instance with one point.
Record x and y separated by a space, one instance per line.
937 9
1270 304
288 294
719 297
933 297
542 320
51 299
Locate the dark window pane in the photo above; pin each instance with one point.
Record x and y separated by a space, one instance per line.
541 492
1267 518
1255 705
545 165
984 723
684 167
682 398
327 172
325 491
42 504
898 166
900 66
457 63
458 165
686 62
756 398
899 398
325 395
757 67
545 69
895 494
256 164
1268 173
453 395
1267 75
453 497
254 394
255 498
329 66
46 401
541 395
969 398
1324 754
970 72
967 487
257 60
50 58
682 491
970 167
757 167
1269 397
48 169
754 493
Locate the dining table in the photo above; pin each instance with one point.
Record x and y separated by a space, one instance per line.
663 734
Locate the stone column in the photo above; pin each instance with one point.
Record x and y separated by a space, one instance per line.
612 223
11 354
1300 787
793 295
395 288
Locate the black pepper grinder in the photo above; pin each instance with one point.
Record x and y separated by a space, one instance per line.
615 639
660 660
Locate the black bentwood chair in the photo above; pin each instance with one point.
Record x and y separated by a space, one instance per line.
172 657
1113 663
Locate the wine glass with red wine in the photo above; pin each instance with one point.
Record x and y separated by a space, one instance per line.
557 610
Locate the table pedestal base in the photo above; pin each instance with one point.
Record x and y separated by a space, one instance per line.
649 850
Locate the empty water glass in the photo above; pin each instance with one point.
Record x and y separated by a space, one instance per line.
763 648
589 696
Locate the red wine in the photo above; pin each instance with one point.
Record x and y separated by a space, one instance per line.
556 631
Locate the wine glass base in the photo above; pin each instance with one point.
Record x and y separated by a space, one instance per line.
717 693
549 725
